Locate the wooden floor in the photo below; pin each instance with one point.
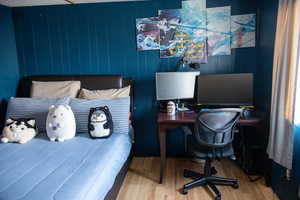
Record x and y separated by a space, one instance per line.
141 182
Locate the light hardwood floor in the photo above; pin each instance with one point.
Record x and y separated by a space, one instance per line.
141 182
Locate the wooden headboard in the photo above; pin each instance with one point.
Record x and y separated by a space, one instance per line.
91 82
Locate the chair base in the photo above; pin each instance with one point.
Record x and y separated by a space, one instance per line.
207 179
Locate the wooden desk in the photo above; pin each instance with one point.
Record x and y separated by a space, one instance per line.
166 122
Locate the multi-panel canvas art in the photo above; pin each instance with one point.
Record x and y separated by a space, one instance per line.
171 43
183 34
195 32
147 33
196 52
194 4
243 31
218 31
193 15
194 20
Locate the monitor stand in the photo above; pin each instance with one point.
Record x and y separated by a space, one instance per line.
182 109
180 106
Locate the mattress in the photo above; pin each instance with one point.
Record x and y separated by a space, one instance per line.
77 169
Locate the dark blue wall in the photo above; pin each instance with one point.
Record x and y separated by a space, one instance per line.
266 40
100 39
9 74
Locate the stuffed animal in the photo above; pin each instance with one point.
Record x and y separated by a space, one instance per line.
100 122
60 124
19 130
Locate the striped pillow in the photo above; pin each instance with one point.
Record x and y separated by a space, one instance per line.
118 107
36 108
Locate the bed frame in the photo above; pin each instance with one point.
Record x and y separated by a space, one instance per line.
91 82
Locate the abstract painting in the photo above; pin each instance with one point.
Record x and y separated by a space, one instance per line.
171 42
193 17
243 31
195 32
196 52
147 33
194 4
218 31
194 20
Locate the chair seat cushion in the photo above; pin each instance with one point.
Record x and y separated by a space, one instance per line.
195 150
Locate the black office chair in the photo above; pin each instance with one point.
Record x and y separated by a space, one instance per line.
211 139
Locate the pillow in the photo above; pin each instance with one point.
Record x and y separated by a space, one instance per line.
104 94
119 109
36 108
55 89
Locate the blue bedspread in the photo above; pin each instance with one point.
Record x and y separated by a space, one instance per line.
77 169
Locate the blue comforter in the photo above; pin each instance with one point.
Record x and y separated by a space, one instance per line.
77 169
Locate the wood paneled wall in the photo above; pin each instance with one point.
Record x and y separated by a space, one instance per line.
9 69
100 39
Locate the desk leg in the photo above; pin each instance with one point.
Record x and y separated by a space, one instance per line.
162 143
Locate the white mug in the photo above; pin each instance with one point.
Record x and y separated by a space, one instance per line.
171 108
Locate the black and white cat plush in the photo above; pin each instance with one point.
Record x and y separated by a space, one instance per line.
19 130
100 122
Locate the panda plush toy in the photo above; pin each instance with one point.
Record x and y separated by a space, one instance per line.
100 122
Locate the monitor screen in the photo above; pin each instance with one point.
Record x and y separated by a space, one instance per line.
225 89
175 85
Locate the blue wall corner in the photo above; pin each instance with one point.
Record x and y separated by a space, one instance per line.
9 75
267 19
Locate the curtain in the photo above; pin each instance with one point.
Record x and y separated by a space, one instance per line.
280 146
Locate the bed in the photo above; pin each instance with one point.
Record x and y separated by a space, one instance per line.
80 168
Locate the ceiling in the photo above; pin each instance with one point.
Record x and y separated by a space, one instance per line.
20 3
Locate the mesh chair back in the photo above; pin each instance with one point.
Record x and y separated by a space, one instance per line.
215 127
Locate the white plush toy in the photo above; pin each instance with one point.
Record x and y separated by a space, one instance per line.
18 130
60 123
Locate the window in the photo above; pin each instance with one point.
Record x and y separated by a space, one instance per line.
297 103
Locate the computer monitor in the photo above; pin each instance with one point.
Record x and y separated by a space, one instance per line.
175 85
225 89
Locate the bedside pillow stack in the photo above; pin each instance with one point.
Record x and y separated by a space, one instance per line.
37 108
46 94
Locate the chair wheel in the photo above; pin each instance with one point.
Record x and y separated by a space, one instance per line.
235 185
218 198
185 174
184 191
